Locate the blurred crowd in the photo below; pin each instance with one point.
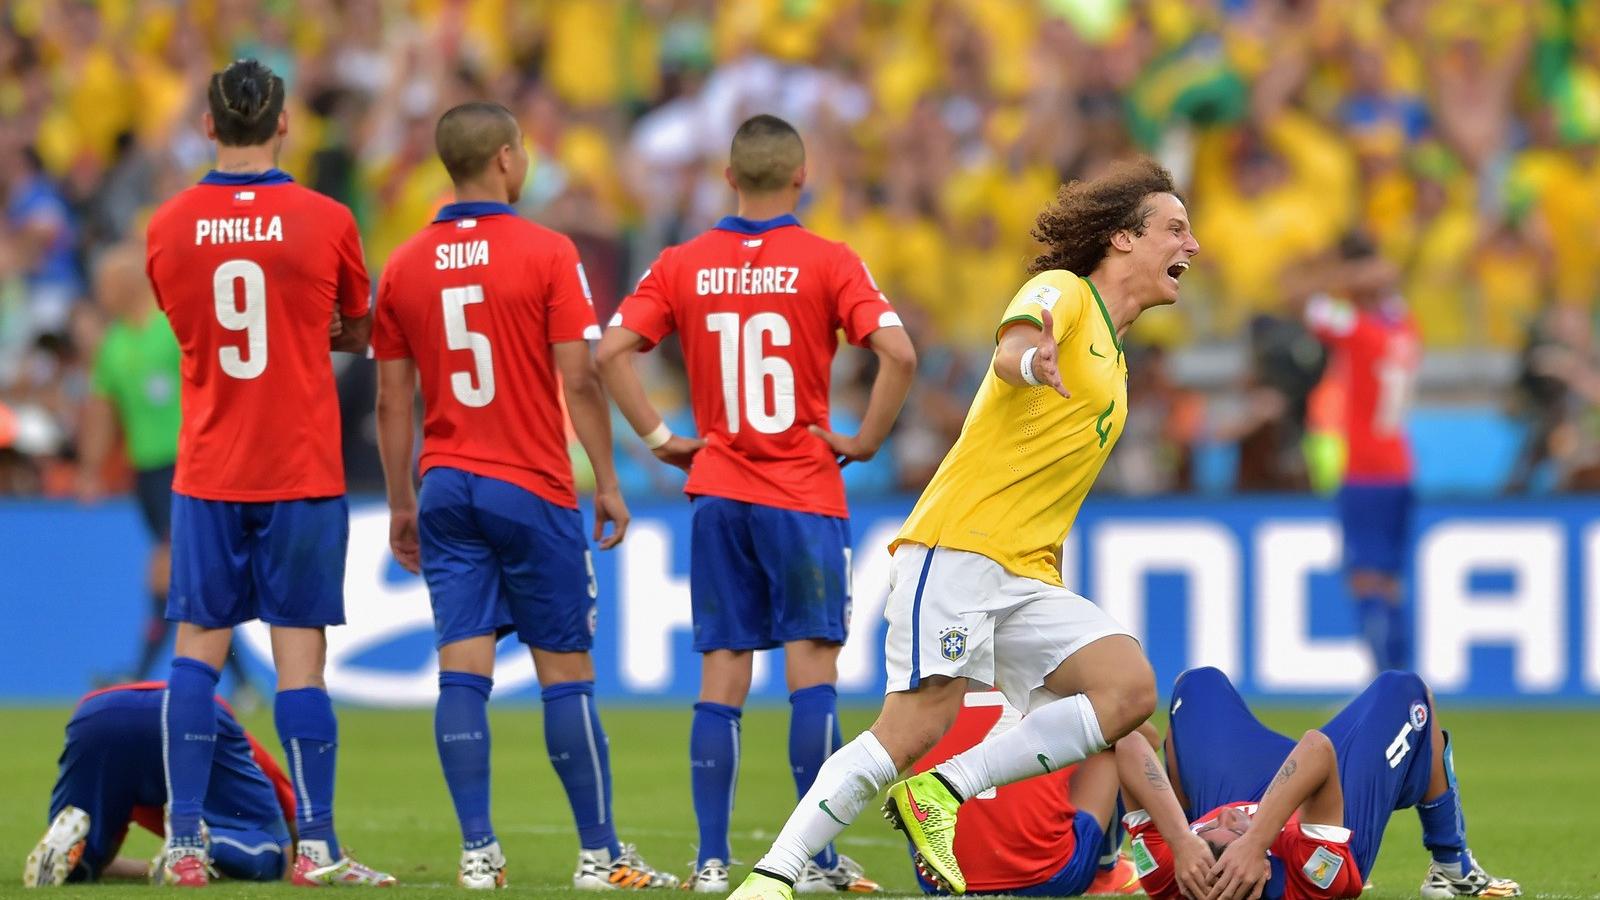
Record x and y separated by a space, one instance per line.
1463 136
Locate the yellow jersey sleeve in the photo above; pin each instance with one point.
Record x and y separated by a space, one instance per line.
1058 291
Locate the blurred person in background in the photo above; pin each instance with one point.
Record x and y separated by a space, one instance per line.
1369 332
134 392
43 231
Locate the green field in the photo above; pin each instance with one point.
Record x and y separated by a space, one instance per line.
1530 780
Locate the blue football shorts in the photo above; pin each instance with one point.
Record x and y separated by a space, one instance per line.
1376 522
498 558
760 576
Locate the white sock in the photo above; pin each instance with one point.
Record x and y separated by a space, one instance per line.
1058 734
848 781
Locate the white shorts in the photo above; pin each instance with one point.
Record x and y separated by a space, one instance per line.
962 615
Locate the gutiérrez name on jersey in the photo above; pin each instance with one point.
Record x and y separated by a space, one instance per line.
746 280
463 255
238 230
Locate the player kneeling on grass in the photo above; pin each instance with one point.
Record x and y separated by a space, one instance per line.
1324 812
1052 836
489 313
111 776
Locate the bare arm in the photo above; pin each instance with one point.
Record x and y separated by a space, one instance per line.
350 335
591 419
1145 782
98 432
897 367
615 362
1016 341
1307 781
397 380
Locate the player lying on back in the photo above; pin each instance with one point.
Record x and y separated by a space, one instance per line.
758 302
1052 836
1388 753
111 776
490 314
260 278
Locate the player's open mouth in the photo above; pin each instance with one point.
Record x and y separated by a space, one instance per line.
1177 269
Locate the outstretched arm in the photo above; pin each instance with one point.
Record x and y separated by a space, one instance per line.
615 362
1145 782
897 366
1308 781
1024 342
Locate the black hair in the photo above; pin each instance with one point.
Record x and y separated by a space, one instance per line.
469 135
245 100
766 152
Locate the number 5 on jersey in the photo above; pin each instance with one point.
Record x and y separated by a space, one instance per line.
458 337
756 369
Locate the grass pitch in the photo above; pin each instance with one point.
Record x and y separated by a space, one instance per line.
1529 780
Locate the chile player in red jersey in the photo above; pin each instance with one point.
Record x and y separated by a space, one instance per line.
1056 835
493 312
111 777
1375 352
757 303
259 277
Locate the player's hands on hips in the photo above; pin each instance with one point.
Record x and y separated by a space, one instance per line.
844 446
1046 359
608 507
1191 864
679 451
1241 872
403 541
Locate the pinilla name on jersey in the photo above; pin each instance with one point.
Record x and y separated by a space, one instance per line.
462 255
238 230
747 280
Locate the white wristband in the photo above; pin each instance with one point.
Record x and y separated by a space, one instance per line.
1027 366
658 438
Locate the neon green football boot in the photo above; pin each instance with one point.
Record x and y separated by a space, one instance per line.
923 808
762 887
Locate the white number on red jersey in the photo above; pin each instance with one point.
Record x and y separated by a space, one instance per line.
476 388
755 371
252 319
1397 375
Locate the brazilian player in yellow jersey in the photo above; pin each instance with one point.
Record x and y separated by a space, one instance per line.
976 592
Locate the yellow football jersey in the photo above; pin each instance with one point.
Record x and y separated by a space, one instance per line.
1011 486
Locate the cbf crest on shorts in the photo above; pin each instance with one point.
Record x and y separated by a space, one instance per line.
953 643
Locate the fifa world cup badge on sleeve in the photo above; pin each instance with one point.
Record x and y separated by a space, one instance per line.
953 643
1323 867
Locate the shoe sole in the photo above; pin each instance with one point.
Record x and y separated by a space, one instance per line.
59 851
925 864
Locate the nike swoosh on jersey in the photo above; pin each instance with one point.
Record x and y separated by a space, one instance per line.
1043 761
1094 352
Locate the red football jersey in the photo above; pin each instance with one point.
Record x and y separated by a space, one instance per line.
1021 834
1316 859
476 299
757 306
250 270
1375 356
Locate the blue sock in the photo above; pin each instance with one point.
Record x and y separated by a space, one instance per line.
1375 625
582 757
713 773
461 730
247 855
310 736
813 736
1444 827
189 729
1397 649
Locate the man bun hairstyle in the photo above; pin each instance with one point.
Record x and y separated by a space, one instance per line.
1076 228
245 100
766 152
469 135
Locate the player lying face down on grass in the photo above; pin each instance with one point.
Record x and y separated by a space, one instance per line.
758 303
1320 805
259 278
490 315
976 594
111 777
1057 835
